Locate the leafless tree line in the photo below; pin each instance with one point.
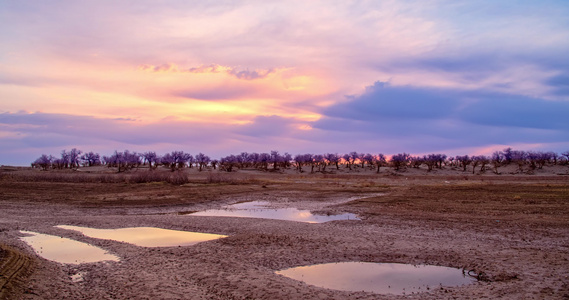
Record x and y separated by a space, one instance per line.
177 160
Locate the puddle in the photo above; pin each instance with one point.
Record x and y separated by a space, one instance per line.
64 250
260 209
380 278
147 236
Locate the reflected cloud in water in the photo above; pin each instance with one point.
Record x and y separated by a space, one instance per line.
260 209
381 278
147 236
64 250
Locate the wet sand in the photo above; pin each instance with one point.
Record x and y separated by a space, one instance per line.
510 230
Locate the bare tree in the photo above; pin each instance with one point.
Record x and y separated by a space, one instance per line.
152 158
115 160
74 158
189 160
369 159
44 162
91 159
244 160
532 158
286 160
355 156
416 161
497 159
64 163
317 160
400 160
518 157
123 160
464 160
431 161
202 160
348 159
451 161
301 160
507 155
484 160
263 161
554 157
214 163
441 159
565 157
333 158
275 158
227 163
176 159
544 158
379 161
479 160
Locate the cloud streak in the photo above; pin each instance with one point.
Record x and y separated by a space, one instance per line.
213 68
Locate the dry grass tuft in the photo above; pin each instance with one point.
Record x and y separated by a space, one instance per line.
219 178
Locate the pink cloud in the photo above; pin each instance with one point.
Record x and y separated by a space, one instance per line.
244 74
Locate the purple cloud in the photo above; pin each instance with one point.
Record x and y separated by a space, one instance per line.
452 118
213 68
560 84
251 75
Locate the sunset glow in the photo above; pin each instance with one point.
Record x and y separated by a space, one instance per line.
293 76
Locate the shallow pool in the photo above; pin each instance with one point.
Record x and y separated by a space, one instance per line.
260 209
381 278
147 236
64 250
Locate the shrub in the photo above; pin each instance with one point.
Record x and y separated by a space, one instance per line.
219 178
146 177
178 178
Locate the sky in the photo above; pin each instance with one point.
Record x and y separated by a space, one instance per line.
223 77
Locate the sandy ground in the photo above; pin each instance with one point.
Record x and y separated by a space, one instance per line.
513 230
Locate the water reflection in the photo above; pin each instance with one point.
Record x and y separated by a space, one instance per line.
64 250
381 278
259 209
147 236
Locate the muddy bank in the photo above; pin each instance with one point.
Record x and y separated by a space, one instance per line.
514 235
